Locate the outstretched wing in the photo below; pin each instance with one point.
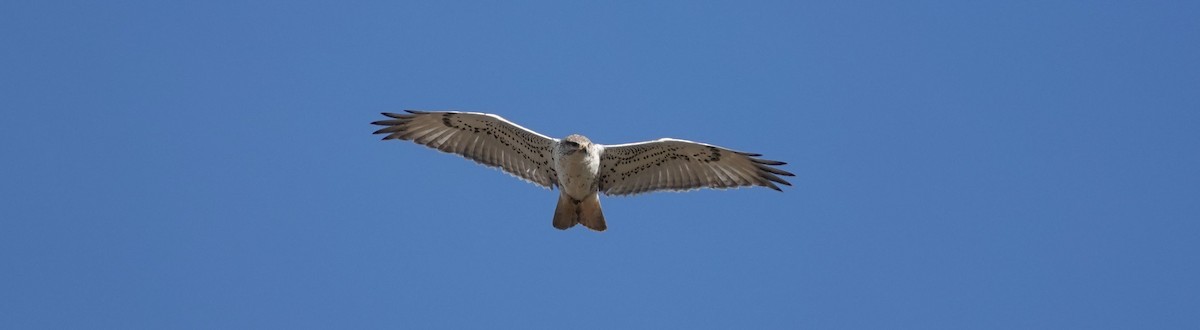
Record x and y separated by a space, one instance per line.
484 138
670 164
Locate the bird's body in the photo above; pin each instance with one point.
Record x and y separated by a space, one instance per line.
582 169
577 162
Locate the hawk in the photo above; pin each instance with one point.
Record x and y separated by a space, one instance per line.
579 168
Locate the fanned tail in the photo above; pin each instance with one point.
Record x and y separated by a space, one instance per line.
587 211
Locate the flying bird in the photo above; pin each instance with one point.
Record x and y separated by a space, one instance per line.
579 168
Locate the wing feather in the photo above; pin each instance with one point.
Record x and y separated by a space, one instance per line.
679 165
484 138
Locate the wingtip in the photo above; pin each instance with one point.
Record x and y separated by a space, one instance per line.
774 187
770 169
767 162
767 175
389 129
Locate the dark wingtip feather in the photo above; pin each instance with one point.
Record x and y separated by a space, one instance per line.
767 162
416 112
772 177
390 122
389 129
774 187
774 170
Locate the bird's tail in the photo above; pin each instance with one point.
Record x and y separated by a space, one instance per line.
571 211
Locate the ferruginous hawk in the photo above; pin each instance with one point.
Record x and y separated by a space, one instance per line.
582 169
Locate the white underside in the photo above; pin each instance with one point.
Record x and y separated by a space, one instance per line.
577 173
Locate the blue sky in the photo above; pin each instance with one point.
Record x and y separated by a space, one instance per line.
1020 164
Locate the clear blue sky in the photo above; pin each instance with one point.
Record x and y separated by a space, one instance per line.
209 164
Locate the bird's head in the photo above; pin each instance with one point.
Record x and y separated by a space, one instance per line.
576 142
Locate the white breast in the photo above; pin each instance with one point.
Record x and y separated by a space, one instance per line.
577 172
